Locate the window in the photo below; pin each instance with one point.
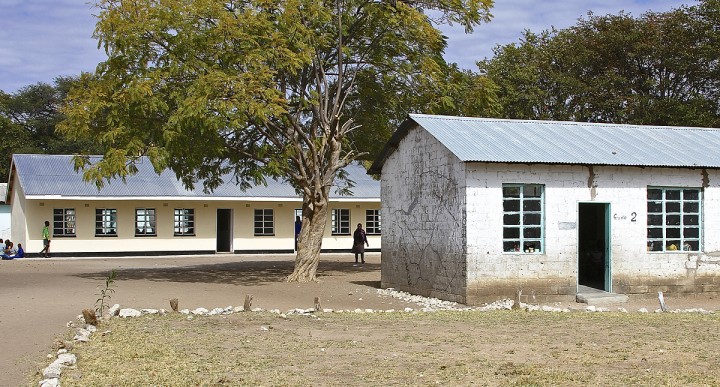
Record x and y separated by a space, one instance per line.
184 221
264 222
340 221
63 222
523 218
105 222
373 225
145 222
674 219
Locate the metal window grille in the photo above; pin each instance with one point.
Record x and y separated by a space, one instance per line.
264 222
523 218
145 222
674 219
64 222
340 221
184 222
105 222
373 222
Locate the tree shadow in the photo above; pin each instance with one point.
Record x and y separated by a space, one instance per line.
372 284
245 273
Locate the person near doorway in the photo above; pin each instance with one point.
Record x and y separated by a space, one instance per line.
359 242
298 227
46 240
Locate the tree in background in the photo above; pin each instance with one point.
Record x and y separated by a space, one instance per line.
28 118
658 69
255 88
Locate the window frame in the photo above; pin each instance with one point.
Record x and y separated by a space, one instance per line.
264 223
103 224
341 227
683 242
184 219
151 215
522 244
64 223
373 222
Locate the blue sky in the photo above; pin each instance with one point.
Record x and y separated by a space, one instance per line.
43 39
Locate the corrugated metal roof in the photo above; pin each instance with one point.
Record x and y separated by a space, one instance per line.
554 142
518 141
42 175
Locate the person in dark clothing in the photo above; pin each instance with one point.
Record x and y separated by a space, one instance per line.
298 227
359 242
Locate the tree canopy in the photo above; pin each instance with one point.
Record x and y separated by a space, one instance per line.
660 68
258 88
28 118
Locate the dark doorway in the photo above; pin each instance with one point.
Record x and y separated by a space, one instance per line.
594 245
224 230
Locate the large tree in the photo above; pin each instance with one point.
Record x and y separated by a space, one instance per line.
27 121
252 88
659 68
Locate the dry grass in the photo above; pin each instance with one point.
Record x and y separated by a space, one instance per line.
398 349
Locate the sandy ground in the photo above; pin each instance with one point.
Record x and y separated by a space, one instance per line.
39 296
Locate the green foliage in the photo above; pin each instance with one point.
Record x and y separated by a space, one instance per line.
246 89
28 118
105 293
660 69
261 87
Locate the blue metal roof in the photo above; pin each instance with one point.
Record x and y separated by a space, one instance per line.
44 175
553 142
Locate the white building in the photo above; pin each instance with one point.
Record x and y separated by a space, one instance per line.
154 214
476 209
4 213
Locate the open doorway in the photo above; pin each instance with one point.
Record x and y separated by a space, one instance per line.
224 230
594 245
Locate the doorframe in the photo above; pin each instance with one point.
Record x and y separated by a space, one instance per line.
230 227
607 244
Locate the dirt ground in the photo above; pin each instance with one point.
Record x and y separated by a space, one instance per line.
40 296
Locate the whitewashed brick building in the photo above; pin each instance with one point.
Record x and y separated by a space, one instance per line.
475 209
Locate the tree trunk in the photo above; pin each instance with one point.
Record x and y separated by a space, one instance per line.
314 218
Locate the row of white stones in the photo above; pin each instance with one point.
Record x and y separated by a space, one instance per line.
51 374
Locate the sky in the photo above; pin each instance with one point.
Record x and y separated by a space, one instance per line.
43 39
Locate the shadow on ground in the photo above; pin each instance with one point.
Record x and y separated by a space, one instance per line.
246 273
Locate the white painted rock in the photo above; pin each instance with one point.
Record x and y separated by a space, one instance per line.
257 309
408 310
52 382
642 310
199 311
149 311
66 359
129 312
52 371
185 311
216 311
114 310
91 328
238 309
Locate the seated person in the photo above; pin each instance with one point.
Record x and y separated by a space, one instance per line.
7 252
20 252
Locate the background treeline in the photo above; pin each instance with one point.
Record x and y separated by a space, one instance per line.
659 68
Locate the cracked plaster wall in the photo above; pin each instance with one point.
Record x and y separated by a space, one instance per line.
495 274
423 240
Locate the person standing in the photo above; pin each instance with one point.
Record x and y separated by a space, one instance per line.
298 227
359 242
46 240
